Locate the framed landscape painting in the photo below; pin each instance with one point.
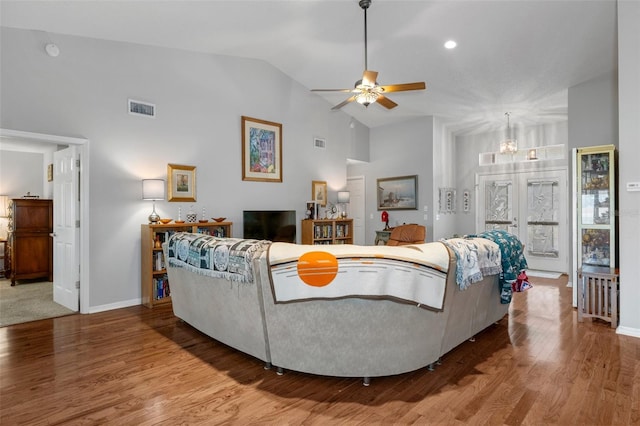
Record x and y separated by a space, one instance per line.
181 182
261 150
398 193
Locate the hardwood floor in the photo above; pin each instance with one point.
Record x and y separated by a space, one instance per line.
138 366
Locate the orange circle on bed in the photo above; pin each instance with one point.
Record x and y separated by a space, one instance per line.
317 268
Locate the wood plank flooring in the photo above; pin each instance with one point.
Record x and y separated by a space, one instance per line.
138 366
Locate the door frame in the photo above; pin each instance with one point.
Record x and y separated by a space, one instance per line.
521 171
358 223
83 151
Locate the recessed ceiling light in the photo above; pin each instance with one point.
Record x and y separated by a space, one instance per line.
450 44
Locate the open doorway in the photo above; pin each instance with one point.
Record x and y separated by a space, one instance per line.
29 139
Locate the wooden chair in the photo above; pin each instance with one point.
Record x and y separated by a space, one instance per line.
407 234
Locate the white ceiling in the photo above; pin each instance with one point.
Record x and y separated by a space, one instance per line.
513 55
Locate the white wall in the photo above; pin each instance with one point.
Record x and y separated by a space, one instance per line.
468 148
199 99
22 173
629 170
401 149
445 165
593 112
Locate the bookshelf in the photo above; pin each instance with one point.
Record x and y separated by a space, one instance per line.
327 231
154 281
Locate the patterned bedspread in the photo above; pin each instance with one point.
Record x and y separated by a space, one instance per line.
475 258
229 258
415 273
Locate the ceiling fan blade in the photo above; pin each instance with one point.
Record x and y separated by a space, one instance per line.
404 87
332 90
386 102
369 77
340 105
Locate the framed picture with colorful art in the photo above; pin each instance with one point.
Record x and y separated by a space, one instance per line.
261 150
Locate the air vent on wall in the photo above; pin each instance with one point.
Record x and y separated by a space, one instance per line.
142 108
319 143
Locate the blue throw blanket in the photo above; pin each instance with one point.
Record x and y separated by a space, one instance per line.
512 259
475 258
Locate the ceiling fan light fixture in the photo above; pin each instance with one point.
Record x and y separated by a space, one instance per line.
360 85
367 90
366 98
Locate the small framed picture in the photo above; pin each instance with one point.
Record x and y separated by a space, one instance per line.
310 212
181 182
319 192
50 173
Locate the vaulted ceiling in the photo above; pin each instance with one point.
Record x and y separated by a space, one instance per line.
513 55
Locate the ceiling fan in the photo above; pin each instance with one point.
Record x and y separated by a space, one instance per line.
367 90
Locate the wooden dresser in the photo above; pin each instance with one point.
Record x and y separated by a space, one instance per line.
30 243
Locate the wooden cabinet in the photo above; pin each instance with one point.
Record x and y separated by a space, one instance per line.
154 281
30 244
327 231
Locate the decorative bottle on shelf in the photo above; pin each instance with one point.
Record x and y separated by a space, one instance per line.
157 244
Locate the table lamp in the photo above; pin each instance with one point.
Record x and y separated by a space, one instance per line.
343 198
153 189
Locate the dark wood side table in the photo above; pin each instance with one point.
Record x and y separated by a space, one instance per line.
4 272
598 294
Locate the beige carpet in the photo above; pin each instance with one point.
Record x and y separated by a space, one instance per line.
28 302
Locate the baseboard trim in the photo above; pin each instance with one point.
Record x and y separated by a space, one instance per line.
628 331
118 305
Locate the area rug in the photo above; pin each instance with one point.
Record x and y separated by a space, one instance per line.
543 274
28 302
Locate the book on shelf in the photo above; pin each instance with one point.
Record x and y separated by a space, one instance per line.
161 287
323 231
203 230
158 264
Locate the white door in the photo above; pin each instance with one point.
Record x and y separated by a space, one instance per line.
355 186
498 206
533 206
546 220
66 244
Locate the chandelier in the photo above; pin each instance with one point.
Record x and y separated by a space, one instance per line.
509 145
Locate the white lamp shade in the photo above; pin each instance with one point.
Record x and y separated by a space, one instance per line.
343 197
4 206
153 189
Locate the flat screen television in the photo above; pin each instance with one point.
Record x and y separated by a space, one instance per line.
273 225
